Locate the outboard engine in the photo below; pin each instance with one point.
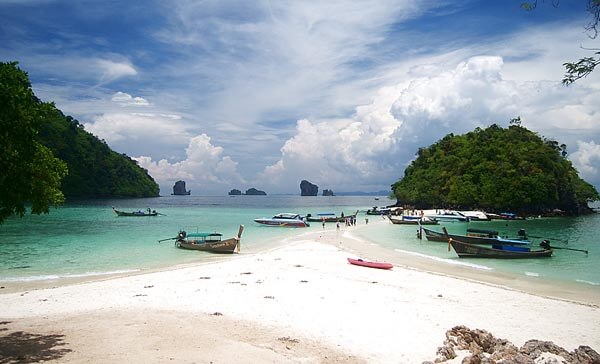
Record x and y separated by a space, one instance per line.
182 234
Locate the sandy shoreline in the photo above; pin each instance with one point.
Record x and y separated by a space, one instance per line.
301 302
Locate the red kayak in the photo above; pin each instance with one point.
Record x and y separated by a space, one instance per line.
370 264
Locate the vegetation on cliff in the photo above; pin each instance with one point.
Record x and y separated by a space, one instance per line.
47 156
496 169
95 170
29 172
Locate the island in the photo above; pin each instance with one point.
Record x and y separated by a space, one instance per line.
179 189
498 170
308 189
249 192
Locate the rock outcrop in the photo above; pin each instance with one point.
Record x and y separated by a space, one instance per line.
479 346
254 192
327 192
250 192
179 189
308 189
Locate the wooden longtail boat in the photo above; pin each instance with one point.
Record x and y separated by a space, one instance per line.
147 212
370 264
466 250
329 217
210 242
477 236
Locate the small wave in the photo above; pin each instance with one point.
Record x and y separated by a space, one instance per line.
587 282
57 276
445 260
349 235
532 274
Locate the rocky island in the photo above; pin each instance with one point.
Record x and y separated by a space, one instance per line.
308 189
250 192
179 189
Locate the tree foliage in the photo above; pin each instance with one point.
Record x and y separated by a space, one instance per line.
495 169
39 145
29 172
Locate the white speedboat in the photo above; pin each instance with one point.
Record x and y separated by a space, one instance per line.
476 215
284 219
446 215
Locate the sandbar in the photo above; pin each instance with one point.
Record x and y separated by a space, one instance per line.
300 302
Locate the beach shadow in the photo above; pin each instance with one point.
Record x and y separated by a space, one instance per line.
24 347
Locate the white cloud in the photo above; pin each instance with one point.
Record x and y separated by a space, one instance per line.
286 78
587 161
374 146
116 127
112 70
205 168
125 99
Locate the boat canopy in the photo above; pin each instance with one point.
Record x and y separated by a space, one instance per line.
287 215
203 235
482 231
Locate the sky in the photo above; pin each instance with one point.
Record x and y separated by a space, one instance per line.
231 94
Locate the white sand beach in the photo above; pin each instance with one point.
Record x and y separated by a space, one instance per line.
299 303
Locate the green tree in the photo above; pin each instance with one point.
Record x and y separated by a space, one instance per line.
495 169
30 173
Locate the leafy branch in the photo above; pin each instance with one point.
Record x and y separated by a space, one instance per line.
585 66
579 69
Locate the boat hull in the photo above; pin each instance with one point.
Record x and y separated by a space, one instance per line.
210 242
466 250
135 213
224 246
370 264
329 218
412 221
281 223
432 235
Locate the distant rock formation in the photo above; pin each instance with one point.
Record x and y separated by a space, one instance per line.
327 192
179 189
479 346
250 192
308 189
254 192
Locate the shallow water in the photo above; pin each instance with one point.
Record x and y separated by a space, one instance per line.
86 238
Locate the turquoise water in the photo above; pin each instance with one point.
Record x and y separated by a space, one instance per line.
565 265
86 238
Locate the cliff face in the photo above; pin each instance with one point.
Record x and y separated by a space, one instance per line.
308 189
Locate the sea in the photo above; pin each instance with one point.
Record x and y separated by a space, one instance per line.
86 239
